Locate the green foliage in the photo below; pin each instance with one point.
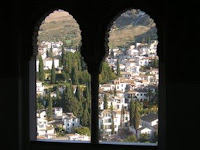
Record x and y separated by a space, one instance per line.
82 131
105 101
106 74
136 117
49 109
144 138
131 111
155 63
118 68
60 131
131 138
41 69
74 76
112 118
53 73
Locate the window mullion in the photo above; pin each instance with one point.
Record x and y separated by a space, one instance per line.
94 108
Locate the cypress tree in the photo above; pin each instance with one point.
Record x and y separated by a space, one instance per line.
122 116
131 111
112 119
78 93
74 76
49 109
105 100
62 61
118 68
85 119
136 117
41 69
53 73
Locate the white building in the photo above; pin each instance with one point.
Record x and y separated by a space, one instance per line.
48 63
71 121
39 88
43 127
57 112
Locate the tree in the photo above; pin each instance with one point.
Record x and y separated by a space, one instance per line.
136 117
85 117
74 76
49 109
41 69
118 68
112 119
53 73
105 100
78 93
62 59
122 116
50 53
82 131
131 111
131 138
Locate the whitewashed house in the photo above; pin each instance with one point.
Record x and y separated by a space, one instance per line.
57 112
70 121
43 127
48 63
39 88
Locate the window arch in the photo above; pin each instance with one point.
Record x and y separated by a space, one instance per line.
92 68
132 45
63 89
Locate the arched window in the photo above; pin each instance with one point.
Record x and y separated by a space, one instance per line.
62 81
104 108
131 67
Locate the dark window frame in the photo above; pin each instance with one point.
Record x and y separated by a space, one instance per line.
39 144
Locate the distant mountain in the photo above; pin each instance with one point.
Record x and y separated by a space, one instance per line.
60 25
131 27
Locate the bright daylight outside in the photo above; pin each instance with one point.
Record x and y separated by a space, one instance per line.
128 83
63 82
128 90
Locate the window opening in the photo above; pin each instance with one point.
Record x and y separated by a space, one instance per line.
63 92
128 87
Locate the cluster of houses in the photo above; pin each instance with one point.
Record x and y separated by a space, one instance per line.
67 121
133 83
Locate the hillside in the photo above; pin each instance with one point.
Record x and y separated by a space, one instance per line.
132 26
60 25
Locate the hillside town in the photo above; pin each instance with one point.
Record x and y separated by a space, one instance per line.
127 102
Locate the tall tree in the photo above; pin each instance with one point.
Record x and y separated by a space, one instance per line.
85 119
122 116
131 111
49 108
118 68
74 76
50 53
136 117
53 73
62 59
41 69
105 101
112 119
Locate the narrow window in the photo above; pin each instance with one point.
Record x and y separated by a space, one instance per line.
62 79
132 46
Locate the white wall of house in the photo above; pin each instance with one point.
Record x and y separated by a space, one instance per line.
39 88
48 63
70 123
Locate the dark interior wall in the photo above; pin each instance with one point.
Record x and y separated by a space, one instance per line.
180 44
